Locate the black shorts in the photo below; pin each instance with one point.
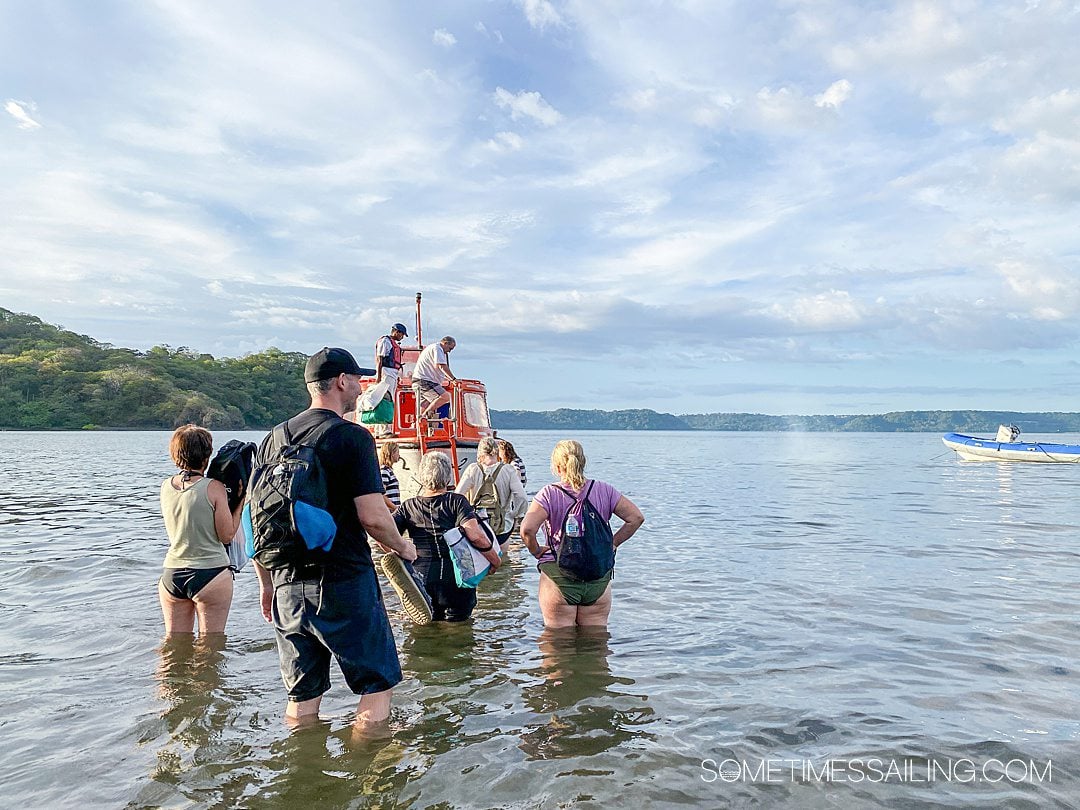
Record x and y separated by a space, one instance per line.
449 602
184 583
316 619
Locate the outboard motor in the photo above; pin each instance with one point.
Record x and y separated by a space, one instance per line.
1007 434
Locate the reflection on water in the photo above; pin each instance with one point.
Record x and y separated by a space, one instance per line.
804 597
189 676
582 713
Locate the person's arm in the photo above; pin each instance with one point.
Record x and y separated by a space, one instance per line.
479 540
225 522
534 519
380 525
444 367
519 501
397 517
632 518
266 591
378 360
468 481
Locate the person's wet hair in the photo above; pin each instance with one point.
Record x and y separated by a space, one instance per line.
191 447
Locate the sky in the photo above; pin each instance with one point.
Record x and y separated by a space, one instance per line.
796 207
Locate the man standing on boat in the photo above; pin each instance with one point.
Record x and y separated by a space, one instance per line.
432 370
387 371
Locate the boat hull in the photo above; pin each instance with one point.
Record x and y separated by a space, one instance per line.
973 448
409 464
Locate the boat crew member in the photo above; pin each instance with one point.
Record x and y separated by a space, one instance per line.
431 371
387 371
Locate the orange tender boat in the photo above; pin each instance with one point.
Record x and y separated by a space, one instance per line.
466 421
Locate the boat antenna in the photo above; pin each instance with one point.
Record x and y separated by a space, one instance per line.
419 331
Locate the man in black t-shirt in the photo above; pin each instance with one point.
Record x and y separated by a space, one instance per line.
332 606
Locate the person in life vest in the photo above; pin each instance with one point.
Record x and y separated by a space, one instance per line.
387 371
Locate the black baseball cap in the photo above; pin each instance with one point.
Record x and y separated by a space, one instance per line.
401 328
329 363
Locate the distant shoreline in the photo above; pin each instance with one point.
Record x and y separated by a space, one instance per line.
970 422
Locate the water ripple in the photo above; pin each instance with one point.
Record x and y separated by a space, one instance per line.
793 599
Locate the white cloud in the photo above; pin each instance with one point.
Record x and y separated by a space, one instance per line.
506 142
540 13
483 29
638 100
832 310
528 104
1050 293
1056 114
444 38
835 95
18 111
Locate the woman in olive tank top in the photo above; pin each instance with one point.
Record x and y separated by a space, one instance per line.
196 580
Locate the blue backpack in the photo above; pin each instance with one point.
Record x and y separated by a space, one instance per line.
286 520
589 554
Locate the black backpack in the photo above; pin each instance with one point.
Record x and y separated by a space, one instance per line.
287 520
232 467
590 555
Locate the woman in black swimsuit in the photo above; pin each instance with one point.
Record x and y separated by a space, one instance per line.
196 580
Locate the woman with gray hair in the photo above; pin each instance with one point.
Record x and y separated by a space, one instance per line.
425 519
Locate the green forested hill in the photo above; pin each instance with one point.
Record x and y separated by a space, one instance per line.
53 378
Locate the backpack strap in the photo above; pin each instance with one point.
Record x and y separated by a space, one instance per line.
283 436
575 497
491 476
575 500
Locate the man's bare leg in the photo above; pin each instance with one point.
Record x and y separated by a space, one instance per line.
372 714
302 712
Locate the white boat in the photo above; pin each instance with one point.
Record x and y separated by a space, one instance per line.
1005 447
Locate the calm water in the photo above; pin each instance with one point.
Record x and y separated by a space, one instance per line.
797 604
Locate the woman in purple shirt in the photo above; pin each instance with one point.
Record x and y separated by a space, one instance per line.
564 601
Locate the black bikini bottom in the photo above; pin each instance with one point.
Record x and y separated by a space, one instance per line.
184 583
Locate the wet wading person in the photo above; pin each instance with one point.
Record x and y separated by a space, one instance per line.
331 606
494 486
196 580
566 601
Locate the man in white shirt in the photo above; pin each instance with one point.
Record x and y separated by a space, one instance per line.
432 369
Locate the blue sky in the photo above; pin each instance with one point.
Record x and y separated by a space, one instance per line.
790 207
